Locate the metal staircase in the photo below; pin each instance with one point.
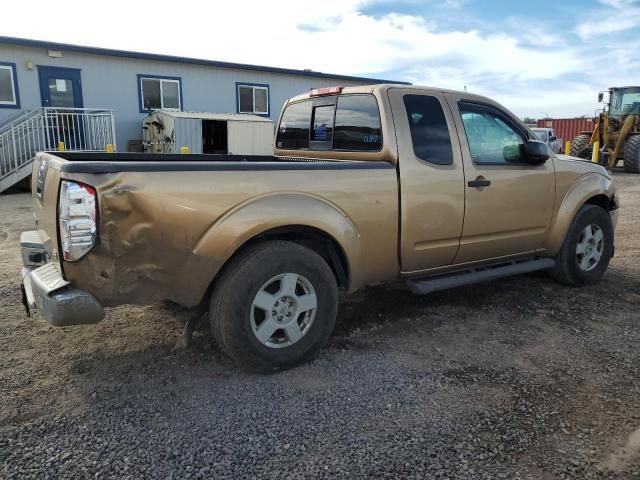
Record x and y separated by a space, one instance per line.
30 131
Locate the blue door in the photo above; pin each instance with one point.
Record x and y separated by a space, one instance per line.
61 93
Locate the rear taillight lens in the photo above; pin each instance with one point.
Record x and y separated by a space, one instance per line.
76 219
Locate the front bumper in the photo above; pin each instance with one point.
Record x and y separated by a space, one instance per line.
47 291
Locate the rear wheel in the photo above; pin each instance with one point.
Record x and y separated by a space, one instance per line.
274 305
587 248
578 145
632 154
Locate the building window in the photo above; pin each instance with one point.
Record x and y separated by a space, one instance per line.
9 97
159 93
253 98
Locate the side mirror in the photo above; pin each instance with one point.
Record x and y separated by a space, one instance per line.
600 97
536 151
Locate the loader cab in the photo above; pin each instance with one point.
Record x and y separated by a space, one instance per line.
624 101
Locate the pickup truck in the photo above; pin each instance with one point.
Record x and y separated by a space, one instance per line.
367 184
548 136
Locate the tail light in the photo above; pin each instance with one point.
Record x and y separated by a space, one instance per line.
76 219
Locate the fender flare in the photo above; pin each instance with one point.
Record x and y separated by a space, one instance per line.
581 191
258 215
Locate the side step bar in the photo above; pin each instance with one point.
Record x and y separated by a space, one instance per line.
468 277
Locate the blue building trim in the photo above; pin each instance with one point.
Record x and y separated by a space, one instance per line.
158 77
24 42
249 84
16 90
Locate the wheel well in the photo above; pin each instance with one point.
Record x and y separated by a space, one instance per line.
317 240
602 201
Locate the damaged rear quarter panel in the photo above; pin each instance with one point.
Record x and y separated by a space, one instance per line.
165 235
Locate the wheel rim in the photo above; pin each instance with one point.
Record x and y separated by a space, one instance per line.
283 310
590 247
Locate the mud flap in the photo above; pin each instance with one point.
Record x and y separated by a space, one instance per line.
25 302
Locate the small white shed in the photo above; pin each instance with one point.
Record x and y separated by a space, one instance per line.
166 131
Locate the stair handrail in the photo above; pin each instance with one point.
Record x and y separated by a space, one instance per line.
17 117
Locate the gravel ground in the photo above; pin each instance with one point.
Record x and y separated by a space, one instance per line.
517 379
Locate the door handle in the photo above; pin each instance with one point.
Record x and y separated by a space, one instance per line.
479 182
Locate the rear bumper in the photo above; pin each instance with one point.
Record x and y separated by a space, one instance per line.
48 292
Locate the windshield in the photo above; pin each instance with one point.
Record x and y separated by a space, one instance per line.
625 101
542 134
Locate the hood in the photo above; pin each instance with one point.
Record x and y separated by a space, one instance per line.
578 165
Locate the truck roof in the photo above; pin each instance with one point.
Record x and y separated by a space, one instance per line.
383 87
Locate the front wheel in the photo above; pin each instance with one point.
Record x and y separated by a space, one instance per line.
587 248
274 305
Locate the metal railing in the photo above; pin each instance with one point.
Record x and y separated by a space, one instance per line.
79 129
16 117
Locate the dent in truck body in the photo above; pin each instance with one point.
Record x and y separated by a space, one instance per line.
165 237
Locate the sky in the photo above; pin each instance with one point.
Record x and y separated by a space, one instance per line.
537 58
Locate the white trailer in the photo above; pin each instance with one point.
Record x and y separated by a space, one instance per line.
166 131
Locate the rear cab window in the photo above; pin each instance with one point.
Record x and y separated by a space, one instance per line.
342 122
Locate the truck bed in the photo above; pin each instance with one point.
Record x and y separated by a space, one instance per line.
99 162
167 223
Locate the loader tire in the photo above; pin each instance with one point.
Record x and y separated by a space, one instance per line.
632 154
578 146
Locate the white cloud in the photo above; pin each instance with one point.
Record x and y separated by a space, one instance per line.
521 68
619 16
617 3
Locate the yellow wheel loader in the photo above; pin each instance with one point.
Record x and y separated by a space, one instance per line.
617 131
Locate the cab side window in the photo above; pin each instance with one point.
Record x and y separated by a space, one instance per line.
492 140
429 131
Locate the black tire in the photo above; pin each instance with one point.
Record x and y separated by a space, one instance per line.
632 154
567 269
238 284
578 144
585 153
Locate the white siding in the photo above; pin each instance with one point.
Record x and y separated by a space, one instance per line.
250 138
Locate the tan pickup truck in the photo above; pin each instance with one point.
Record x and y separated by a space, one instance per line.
366 185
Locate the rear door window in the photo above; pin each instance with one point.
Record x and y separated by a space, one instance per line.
349 122
429 131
